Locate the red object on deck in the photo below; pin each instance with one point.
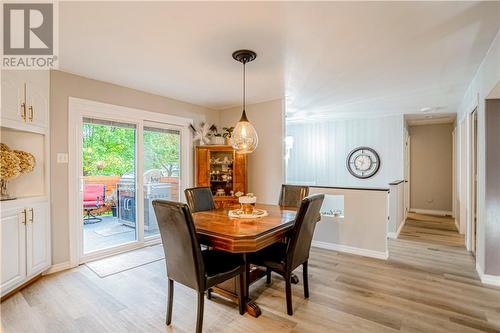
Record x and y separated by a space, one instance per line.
93 195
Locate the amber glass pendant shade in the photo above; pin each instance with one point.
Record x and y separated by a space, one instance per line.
244 138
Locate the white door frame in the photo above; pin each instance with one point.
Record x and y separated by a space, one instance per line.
80 108
472 144
407 174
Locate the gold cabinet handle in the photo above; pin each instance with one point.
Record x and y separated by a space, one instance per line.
23 111
30 108
23 104
32 215
25 213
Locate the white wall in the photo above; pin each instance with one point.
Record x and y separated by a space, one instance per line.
265 164
320 149
359 231
481 86
397 207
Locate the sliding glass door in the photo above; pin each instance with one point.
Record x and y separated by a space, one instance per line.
162 170
109 184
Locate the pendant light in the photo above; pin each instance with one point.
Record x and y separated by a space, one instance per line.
244 138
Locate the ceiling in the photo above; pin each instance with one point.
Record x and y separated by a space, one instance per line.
325 58
430 118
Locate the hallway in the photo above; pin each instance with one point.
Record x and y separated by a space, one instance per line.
433 244
432 229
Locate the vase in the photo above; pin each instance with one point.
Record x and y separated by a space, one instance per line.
247 208
217 140
3 191
247 204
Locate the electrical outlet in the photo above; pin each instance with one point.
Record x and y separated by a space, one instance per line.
62 158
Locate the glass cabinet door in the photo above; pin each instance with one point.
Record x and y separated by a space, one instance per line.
221 173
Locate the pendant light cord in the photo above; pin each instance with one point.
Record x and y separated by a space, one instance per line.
244 85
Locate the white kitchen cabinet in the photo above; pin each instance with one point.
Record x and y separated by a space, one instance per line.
25 99
37 238
25 235
37 97
13 236
13 95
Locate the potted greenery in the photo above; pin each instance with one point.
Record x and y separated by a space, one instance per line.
111 202
226 134
216 137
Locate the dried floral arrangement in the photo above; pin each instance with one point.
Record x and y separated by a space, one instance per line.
12 164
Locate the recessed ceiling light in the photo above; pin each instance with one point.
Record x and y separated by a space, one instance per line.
426 109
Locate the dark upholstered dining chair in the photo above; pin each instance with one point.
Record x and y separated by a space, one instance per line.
292 195
199 198
187 263
284 258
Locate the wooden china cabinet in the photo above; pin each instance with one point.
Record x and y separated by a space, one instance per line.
223 170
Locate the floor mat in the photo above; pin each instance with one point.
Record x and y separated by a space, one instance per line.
113 230
125 261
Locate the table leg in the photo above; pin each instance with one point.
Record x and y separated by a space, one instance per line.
252 308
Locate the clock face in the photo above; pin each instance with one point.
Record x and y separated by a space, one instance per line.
363 162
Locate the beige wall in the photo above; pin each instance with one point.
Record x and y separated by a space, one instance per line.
360 231
431 167
265 165
64 85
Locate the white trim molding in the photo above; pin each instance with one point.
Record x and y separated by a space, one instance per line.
78 110
492 280
431 212
395 235
352 250
58 268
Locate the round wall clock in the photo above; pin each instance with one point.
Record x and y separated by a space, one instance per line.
363 162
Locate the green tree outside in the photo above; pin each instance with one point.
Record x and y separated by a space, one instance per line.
110 151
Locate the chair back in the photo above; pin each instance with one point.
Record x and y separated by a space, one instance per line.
302 233
182 251
199 198
94 195
292 195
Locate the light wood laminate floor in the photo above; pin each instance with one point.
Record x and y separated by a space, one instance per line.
432 229
423 287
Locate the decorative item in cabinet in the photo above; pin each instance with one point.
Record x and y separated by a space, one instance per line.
12 164
223 170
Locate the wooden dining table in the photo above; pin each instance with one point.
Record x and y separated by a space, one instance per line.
241 235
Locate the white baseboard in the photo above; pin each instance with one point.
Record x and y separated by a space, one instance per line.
431 212
350 249
492 280
395 235
57 268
